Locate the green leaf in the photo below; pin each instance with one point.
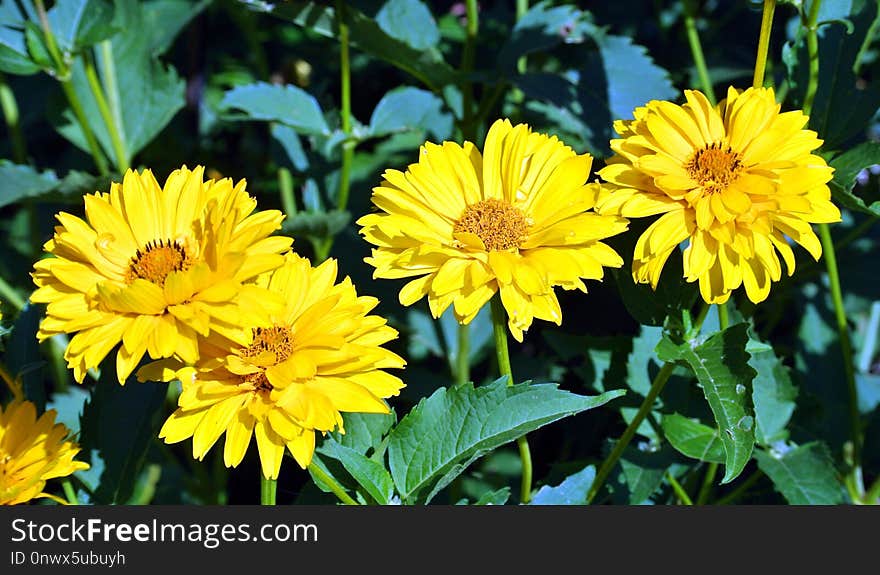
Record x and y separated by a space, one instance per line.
643 471
18 182
452 428
364 431
14 56
542 27
572 491
408 108
846 168
843 104
409 21
36 46
119 423
805 475
369 474
498 497
78 24
773 396
166 18
316 224
721 366
692 438
427 65
148 93
23 357
292 145
286 104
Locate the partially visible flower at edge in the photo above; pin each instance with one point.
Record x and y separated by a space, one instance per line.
286 379
32 451
736 181
154 268
515 219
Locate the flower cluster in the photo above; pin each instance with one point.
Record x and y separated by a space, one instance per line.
190 275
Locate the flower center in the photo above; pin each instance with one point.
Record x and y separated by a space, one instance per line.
276 339
498 224
714 167
259 381
157 260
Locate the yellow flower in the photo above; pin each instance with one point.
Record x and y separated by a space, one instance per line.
514 219
736 181
283 380
154 268
32 451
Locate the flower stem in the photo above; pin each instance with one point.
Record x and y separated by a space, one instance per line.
8 293
845 346
332 484
647 405
268 488
69 92
10 114
122 163
463 357
763 43
706 488
679 490
285 190
468 56
500 329
813 55
69 492
690 24
723 317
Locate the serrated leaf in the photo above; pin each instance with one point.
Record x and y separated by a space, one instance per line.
773 396
692 438
119 423
721 366
369 474
408 108
364 431
643 472
542 27
23 357
78 24
846 168
572 491
428 66
287 104
452 428
69 406
805 475
292 145
409 21
497 497
316 224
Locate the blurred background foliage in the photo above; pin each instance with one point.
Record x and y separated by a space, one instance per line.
252 90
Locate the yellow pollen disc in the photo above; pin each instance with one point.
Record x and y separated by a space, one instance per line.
276 339
714 167
498 224
156 261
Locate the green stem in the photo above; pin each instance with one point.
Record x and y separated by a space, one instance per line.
723 317
706 488
644 409
108 76
866 44
268 487
97 89
10 114
813 54
764 43
679 490
69 492
463 357
845 345
8 293
690 24
468 56
332 484
500 330
741 489
285 190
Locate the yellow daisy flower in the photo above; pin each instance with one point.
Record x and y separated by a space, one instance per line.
736 181
515 219
286 379
154 267
32 451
